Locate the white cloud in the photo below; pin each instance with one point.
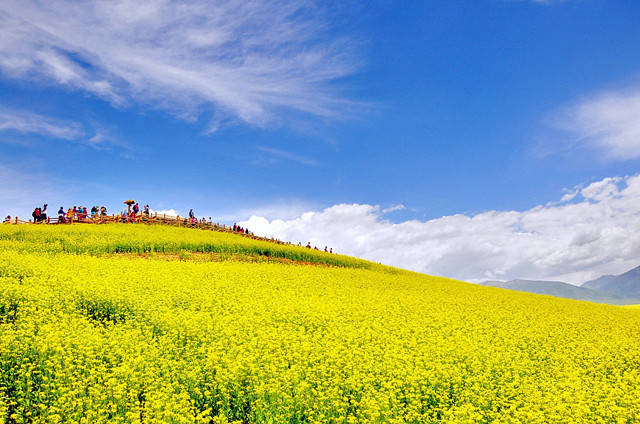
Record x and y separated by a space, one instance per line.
598 233
608 122
30 123
245 60
26 122
394 208
283 154
569 196
168 212
282 209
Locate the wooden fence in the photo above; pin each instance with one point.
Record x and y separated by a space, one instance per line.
175 221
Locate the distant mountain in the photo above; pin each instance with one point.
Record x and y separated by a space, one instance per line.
560 289
599 282
623 285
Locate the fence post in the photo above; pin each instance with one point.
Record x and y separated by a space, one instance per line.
16 219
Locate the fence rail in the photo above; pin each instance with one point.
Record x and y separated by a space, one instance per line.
175 221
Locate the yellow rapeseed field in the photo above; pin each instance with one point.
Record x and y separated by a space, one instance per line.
129 323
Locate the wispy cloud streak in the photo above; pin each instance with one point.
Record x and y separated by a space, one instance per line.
25 122
608 122
244 60
283 154
34 124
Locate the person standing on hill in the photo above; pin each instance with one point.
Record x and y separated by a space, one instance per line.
36 215
61 214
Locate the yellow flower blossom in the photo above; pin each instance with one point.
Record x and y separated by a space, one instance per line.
129 323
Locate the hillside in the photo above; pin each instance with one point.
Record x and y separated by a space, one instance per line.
560 289
138 239
626 284
134 323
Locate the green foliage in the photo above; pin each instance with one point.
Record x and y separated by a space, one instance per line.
104 310
8 310
142 239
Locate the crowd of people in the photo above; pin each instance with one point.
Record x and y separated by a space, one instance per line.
308 246
239 229
133 214
79 214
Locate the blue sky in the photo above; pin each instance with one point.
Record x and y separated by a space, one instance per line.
422 109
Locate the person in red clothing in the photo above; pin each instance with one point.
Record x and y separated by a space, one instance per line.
36 215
